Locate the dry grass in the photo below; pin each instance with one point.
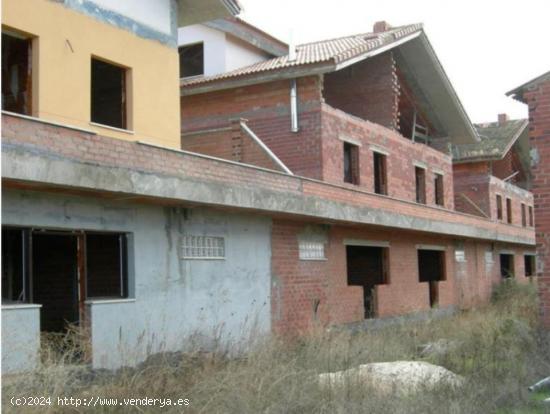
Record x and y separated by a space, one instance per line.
497 348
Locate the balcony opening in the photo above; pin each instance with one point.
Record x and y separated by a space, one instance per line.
368 267
380 173
191 58
16 73
351 163
506 265
499 206
523 215
109 95
431 270
439 191
530 264
509 211
531 217
420 180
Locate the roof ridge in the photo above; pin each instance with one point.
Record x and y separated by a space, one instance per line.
392 30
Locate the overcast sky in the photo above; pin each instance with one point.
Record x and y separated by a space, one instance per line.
487 47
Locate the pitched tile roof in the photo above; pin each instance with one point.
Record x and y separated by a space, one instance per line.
517 93
333 51
496 140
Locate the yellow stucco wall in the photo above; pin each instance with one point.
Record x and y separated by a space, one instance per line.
66 42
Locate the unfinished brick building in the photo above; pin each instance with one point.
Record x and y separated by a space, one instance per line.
308 187
536 94
372 115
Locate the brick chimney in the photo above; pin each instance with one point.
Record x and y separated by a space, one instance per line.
502 119
381 26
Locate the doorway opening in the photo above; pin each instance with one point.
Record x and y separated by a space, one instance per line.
368 267
431 270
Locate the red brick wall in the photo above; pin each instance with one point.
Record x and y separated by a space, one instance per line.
266 106
104 151
233 144
538 99
299 285
474 180
369 90
400 161
509 165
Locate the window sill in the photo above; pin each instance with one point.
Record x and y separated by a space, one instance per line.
125 131
21 306
109 301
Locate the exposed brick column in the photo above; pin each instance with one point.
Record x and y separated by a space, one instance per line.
538 99
237 139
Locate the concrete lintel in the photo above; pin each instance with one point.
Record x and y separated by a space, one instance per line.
20 164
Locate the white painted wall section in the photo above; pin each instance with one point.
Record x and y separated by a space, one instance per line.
152 13
214 46
239 54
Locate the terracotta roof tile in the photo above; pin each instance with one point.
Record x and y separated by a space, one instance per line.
332 51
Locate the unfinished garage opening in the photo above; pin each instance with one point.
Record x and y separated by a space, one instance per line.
506 265
431 270
16 73
368 266
109 95
60 270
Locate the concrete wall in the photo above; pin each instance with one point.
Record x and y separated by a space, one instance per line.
239 54
20 338
222 52
214 46
214 301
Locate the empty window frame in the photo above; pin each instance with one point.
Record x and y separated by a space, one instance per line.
106 265
191 59
506 265
15 265
203 247
351 163
311 250
368 266
499 206
531 217
380 173
439 192
523 215
508 211
420 181
530 263
431 270
109 94
16 73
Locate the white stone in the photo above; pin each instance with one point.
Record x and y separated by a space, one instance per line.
404 377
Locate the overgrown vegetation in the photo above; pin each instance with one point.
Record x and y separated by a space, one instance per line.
498 349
